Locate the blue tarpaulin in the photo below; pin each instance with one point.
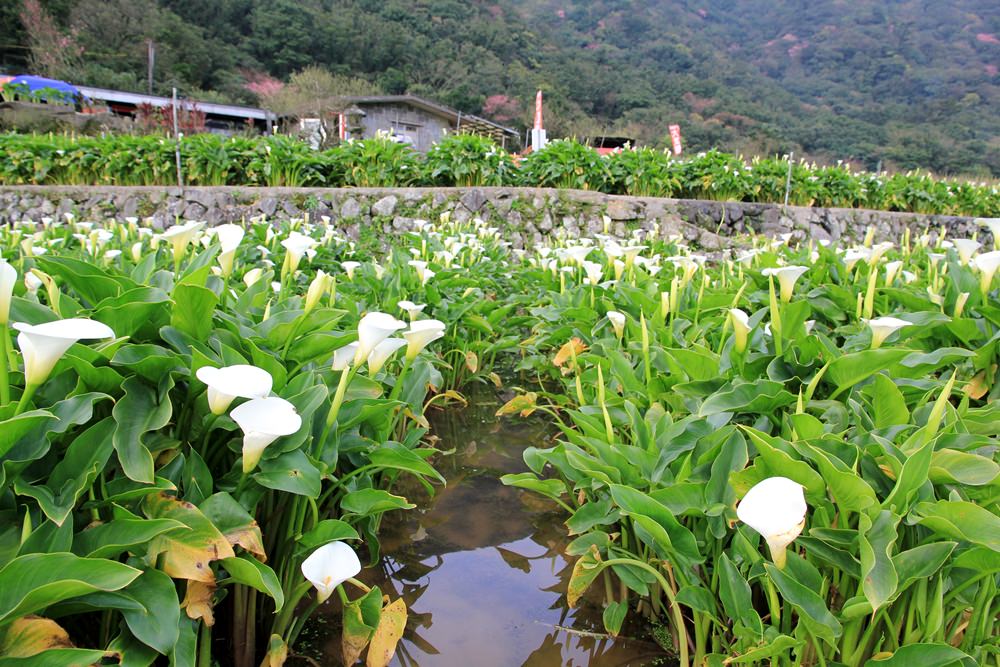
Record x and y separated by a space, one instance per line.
64 92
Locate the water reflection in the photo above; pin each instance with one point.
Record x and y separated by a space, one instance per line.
481 565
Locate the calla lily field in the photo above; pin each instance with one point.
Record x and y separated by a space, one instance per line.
785 453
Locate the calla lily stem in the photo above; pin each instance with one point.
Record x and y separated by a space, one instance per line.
682 642
338 399
4 375
29 391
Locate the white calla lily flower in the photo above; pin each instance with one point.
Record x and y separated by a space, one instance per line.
230 236
787 276
8 278
987 263
44 344
776 508
412 309
349 268
230 382
180 236
329 566
252 276
32 282
297 245
883 327
965 248
420 334
617 320
382 352
344 356
892 270
594 272
420 267
853 255
374 328
263 420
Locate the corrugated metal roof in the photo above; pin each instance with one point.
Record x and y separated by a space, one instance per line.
455 115
124 97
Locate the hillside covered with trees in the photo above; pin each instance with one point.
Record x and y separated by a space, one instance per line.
901 83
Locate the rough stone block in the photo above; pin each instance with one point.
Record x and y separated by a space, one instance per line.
385 206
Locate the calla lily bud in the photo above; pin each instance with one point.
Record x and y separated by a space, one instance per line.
372 330
230 382
776 508
741 328
44 344
317 288
382 352
960 304
263 420
136 251
617 322
8 278
883 327
420 335
329 566
787 276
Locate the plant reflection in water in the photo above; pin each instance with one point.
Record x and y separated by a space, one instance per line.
481 566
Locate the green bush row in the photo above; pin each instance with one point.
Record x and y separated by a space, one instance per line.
467 160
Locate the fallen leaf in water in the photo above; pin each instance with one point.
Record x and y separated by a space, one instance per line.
525 404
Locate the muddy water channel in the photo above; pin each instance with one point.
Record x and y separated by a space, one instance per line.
481 565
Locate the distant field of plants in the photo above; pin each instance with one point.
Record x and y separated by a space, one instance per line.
464 160
785 455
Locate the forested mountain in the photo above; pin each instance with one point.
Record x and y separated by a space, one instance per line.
904 83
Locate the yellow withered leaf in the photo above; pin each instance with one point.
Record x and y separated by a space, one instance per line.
525 404
187 554
31 635
572 348
277 652
586 569
977 387
420 420
198 602
471 361
388 633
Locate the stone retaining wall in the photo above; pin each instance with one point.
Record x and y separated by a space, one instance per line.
526 214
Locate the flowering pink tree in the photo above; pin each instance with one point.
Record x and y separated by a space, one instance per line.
261 84
501 108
